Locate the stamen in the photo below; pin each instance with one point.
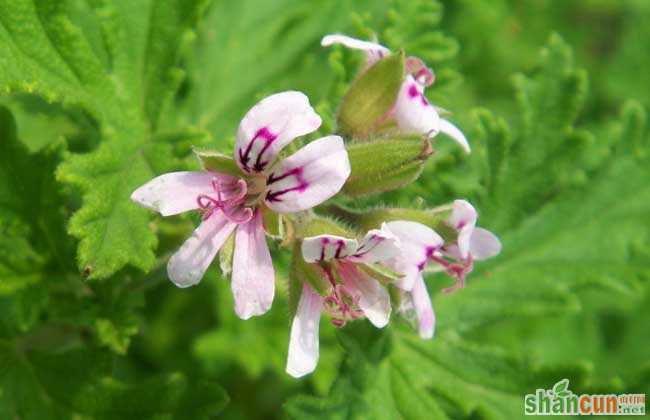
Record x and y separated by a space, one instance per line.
342 304
231 207
457 271
369 245
423 74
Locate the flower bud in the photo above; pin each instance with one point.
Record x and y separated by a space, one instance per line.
386 164
371 97
318 225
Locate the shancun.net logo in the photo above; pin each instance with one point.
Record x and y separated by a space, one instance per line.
560 401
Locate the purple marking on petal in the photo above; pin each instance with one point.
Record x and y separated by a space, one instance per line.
296 173
324 242
376 241
461 224
428 254
265 134
415 93
429 251
339 247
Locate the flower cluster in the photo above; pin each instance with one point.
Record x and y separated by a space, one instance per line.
263 191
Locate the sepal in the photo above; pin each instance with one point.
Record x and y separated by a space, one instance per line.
273 223
225 255
217 162
300 272
380 273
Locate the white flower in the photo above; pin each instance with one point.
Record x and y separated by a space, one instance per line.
352 292
235 203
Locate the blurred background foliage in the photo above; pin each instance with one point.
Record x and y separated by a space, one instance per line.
553 97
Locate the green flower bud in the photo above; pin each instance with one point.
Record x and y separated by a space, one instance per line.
371 96
317 225
386 164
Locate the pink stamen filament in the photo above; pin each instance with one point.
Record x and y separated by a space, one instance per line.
230 207
342 304
455 270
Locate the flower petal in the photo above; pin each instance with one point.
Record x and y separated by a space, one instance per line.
374 51
327 247
188 265
463 219
269 126
378 245
253 279
417 243
303 344
177 192
423 309
484 244
452 131
374 298
308 177
413 112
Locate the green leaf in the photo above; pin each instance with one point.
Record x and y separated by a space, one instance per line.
549 104
400 376
232 342
371 96
40 124
19 261
497 133
31 225
32 389
281 39
47 54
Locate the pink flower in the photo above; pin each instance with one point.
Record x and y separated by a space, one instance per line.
235 203
412 110
351 293
420 245
472 244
